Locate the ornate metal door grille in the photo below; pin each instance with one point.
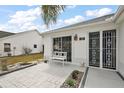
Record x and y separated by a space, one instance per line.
94 49
109 49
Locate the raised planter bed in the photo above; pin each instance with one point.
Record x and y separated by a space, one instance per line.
74 80
16 68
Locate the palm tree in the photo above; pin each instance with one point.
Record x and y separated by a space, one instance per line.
50 13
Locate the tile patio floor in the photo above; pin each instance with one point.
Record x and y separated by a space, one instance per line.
40 76
99 78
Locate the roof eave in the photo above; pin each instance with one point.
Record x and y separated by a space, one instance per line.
118 13
21 33
71 28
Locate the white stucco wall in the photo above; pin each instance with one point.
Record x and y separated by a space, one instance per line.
25 39
47 41
121 48
79 48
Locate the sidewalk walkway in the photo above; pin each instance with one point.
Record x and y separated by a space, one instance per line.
98 78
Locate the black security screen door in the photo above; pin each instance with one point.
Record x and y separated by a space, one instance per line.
109 49
94 49
63 44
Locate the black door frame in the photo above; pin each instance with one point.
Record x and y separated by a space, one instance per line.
94 49
109 49
101 51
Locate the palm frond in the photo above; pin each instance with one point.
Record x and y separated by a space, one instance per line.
50 13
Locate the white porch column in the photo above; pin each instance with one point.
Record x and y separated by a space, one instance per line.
101 49
117 46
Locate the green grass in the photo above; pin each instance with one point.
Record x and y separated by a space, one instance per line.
23 58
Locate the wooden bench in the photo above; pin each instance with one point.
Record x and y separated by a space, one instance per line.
59 57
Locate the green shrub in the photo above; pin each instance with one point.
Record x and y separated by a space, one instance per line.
71 82
27 51
76 71
75 74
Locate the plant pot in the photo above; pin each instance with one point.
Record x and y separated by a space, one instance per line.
45 61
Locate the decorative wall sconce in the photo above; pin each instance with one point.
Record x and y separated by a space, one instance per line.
75 37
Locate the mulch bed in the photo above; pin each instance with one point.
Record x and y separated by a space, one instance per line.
76 85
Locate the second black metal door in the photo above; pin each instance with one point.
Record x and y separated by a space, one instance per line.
109 49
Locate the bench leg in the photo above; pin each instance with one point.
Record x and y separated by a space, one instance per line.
63 62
